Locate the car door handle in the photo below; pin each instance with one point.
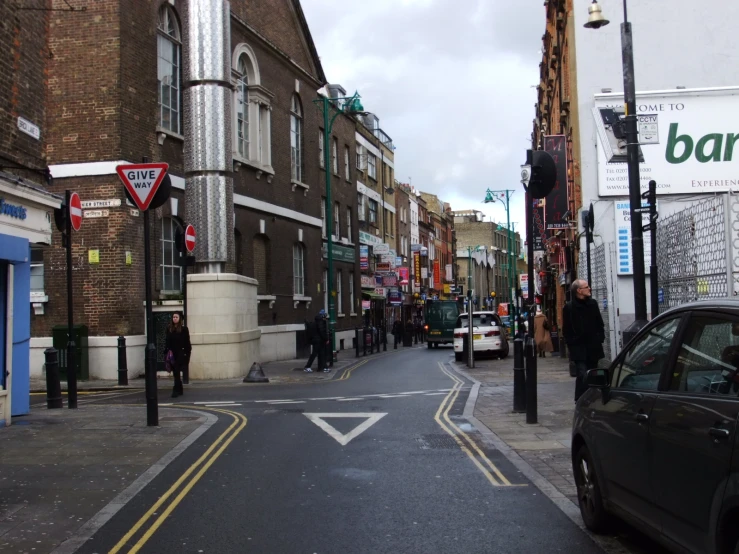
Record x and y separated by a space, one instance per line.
719 433
642 417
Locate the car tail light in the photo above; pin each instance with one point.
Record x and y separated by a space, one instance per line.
493 333
459 335
426 327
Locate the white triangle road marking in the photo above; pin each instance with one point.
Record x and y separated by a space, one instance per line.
341 438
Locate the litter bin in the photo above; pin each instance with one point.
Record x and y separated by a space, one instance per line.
59 341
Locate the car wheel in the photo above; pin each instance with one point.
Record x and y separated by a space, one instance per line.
588 492
458 356
505 351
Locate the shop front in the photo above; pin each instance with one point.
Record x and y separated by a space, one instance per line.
26 213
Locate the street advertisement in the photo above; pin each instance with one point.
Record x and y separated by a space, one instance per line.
403 274
424 273
368 282
417 268
540 232
447 289
383 266
382 291
363 257
523 279
366 304
395 298
379 249
389 281
623 237
448 272
437 271
693 147
556 201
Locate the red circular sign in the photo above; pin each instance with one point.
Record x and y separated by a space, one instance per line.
190 238
75 211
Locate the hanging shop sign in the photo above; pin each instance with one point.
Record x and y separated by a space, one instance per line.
395 298
403 274
417 268
556 201
437 271
363 257
368 281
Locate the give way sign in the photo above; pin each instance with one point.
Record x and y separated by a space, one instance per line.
142 181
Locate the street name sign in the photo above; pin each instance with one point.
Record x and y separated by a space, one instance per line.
142 181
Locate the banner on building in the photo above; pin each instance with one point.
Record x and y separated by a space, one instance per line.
403 274
622 217
540 231
417 268
556 201
424 273
448 272
363 257
447 289
395 298
368 282
389 281
383 266
523 279
437 271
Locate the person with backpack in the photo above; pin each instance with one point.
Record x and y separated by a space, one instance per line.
319 340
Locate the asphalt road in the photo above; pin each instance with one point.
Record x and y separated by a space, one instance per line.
381 462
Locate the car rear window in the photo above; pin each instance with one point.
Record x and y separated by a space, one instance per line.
478 320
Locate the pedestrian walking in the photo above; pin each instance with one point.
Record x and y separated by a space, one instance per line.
319 340
178 347
584 332
397 332
419 330
542 334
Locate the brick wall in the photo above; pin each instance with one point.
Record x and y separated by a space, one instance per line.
24 54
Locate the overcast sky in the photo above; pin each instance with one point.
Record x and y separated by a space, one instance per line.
451 81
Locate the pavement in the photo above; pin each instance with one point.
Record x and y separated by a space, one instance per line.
545 446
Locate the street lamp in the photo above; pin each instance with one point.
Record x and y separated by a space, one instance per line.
349 105
596 21
490 197
470 310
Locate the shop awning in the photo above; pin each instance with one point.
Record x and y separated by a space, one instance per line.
372 295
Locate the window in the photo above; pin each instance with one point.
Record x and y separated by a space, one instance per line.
321 153
261 268
298 270
172 261
351 293
37 270
708 359
323 217
372 166
346 163
238 253
643 363
168 70
242 108
263 133
349 223
335 156
360 207
296 139
359 157
339 300
372 211
337 221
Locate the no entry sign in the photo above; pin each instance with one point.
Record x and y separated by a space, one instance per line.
75 211
142 181
190 238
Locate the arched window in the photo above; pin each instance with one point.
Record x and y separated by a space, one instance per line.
296 139
172 260
242 108
168 69
298 269
262 264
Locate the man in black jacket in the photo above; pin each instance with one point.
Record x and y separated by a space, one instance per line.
584 332
319 340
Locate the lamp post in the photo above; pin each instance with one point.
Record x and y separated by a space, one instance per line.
596 21
349 105
470 309
490 197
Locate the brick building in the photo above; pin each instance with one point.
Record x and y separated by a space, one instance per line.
26 207
556 264
116 95
403 195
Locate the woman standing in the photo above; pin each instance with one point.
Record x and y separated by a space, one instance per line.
542 334
178 342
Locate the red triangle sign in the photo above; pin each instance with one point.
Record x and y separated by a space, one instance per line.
142 181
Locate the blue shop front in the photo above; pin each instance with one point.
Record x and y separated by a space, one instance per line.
26 215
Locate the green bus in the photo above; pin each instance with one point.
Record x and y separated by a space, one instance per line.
441 316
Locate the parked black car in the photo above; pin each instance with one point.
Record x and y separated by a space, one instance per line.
654 439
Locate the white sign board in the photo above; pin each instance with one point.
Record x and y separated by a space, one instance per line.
112 203
524 282
624 265
29 128
96 213
378 249
698 149
648 128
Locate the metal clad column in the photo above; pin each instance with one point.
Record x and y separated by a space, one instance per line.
207 117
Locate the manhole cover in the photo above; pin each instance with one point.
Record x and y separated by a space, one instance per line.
436 442
179 418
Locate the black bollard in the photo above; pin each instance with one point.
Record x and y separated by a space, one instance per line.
53 386
356 341
122 364
364 341
531 395
384 340
519 378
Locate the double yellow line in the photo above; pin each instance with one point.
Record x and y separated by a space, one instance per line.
201 466
465 443
348 372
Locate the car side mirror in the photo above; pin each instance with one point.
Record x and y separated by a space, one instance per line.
597 379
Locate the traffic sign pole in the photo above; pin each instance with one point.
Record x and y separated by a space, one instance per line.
189 241
71 346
